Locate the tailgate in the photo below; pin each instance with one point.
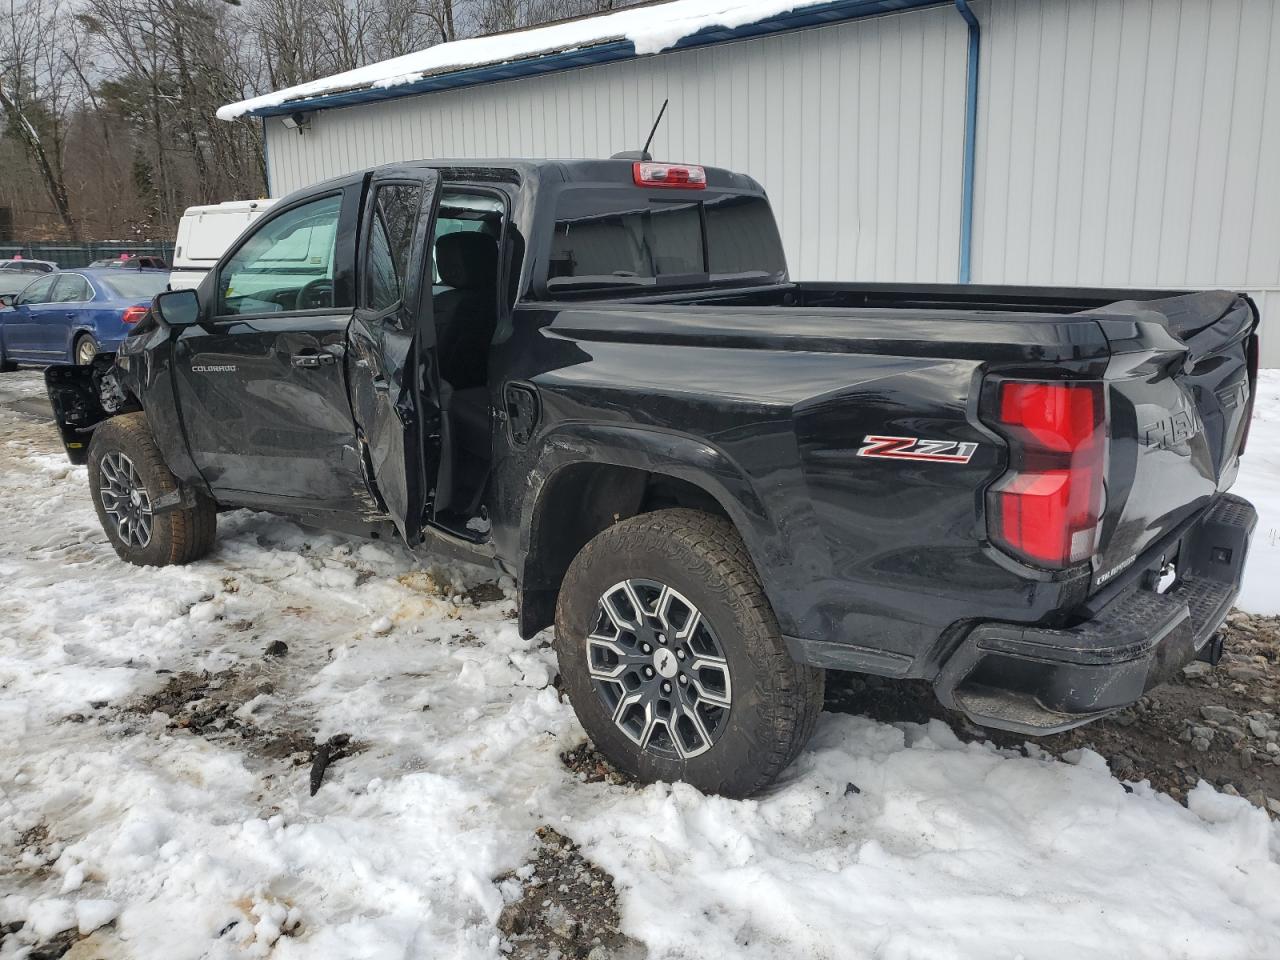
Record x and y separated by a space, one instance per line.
1180 393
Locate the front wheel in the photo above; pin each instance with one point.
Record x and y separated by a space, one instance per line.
127 476
673 660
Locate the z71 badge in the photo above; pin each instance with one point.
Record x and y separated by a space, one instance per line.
914 448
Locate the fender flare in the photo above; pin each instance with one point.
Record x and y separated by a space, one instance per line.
667 453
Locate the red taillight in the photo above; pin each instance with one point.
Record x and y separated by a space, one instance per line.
134 314
682 176
1047 508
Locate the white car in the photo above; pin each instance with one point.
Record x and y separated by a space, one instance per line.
205 233
23 265
16 274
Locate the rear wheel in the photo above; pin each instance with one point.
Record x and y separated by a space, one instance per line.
673 660
85 350
127 476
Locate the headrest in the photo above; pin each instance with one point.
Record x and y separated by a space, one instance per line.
467 260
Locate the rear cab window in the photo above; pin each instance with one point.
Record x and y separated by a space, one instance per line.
628 238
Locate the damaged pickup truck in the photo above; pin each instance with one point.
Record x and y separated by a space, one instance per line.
717 483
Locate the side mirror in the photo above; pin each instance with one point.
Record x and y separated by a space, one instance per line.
6 299
177 308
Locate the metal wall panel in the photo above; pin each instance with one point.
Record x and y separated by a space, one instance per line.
855 129
1120 142
1131 143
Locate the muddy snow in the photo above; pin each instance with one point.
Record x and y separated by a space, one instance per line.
162 730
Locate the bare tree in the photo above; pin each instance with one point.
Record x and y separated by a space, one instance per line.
111 103
35 94
173 66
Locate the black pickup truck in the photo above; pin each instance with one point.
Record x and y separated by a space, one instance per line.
716 482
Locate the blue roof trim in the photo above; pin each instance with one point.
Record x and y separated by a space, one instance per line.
609 52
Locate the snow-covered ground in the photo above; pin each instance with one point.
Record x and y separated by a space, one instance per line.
190 846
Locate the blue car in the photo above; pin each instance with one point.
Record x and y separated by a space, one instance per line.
72 316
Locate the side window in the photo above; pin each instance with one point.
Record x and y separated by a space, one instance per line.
286 264
37 291
396 208
71 288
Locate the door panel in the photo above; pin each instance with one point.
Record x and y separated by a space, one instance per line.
263 398
49 326
71 294
391 338
24 335
17 338
266 412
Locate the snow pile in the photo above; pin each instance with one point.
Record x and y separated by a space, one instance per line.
161 841
651 29
946 850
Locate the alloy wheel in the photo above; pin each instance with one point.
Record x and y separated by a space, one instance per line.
125 500
86 350
659 669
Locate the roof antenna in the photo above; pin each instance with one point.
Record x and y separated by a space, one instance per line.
643 154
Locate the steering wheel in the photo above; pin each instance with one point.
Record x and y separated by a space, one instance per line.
316 294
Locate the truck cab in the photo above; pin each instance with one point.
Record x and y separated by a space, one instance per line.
386 300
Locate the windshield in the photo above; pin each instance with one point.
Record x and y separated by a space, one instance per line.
135 286
624 238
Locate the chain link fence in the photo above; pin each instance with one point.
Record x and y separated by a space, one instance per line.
71 255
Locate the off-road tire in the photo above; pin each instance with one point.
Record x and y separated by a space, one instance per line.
775 700
178 536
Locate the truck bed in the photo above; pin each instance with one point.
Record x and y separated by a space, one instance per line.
910 361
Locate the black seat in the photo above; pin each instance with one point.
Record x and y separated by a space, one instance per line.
467 314
469 416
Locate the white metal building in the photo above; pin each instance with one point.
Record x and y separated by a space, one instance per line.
1112 142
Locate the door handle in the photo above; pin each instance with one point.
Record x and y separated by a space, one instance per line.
312 359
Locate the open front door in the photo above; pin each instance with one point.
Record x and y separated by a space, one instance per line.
392 336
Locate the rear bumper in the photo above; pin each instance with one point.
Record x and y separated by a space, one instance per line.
1040 680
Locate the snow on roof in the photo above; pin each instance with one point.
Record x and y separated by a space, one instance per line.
651 29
